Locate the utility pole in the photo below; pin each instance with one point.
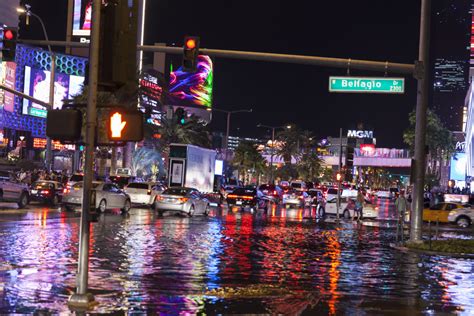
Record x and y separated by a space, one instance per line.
229 113
422 75
272 152
81 298
338 205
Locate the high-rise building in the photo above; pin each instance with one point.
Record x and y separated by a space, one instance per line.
450 49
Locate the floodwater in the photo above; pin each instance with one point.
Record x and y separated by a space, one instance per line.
279 262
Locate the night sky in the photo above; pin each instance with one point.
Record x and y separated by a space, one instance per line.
284 93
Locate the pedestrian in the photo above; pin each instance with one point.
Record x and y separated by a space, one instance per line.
359 205
401 205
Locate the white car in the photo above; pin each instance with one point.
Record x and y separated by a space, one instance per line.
144 192
296 198
298 185
462 217
107 196
346 209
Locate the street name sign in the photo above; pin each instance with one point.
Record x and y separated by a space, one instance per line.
366 85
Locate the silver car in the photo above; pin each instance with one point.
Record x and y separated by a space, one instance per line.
182 200
107 196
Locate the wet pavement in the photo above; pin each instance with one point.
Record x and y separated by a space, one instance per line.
280 261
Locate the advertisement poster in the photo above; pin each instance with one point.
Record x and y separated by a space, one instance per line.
177 168
7 78
37 85
82 16
458 167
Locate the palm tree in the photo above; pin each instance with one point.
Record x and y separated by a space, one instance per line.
191 132
247 157
289 144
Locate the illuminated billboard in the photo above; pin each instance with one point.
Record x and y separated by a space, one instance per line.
36 84
458 167
7 78
82 17
192 89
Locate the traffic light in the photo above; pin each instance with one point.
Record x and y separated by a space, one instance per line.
349 157
9 38
64 125
190 53
338 176
125 125
180 115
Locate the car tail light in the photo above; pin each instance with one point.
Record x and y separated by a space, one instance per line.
246 197
159 198
301 197
66 190
232 196
148 192
183 200
275 192
45 191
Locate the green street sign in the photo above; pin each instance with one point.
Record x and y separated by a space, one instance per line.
366 85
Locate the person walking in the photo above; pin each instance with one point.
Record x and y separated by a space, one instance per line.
401 206
359 205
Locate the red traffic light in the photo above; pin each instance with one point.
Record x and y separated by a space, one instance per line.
8 34
190 43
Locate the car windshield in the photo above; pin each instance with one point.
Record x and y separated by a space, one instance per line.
244 191
119 179
332 191
138 186
76 178
177 191
42 185
266 187
296 185
232 182
313 193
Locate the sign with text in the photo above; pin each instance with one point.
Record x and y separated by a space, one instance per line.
366 85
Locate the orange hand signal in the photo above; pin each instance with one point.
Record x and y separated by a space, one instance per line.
116 125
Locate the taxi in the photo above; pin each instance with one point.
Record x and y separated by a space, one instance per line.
439 212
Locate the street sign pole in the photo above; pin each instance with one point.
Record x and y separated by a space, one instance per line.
420 129
81 298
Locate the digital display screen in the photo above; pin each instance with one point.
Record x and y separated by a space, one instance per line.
192 89
7 78
36 84
458 167
82 17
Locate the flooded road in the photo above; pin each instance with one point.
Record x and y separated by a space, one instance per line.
281 261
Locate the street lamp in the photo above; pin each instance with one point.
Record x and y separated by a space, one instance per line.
273 128
229 113
27 11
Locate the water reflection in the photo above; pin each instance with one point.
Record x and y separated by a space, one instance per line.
146 264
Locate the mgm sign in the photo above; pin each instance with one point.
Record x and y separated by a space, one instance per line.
352 133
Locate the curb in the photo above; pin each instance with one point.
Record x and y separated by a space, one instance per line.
433 253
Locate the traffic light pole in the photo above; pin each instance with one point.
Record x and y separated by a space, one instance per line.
81 298
338 205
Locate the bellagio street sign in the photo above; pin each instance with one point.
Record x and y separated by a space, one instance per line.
366 85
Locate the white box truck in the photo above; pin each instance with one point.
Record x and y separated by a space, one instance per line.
191 166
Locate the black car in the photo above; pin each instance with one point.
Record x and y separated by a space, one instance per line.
46 191
245 197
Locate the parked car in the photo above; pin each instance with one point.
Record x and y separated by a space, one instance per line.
12 190
182 200
107 196
463 217
75 178
47 191
144 192
230 185
331 193
296 198
246 197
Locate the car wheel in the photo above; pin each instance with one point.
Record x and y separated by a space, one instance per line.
67 208
191 211
463 221
346 214
206 211
127 206
23 200
102 206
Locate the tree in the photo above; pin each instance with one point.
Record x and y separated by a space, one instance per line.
247 157
439 140
289 143
309 166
